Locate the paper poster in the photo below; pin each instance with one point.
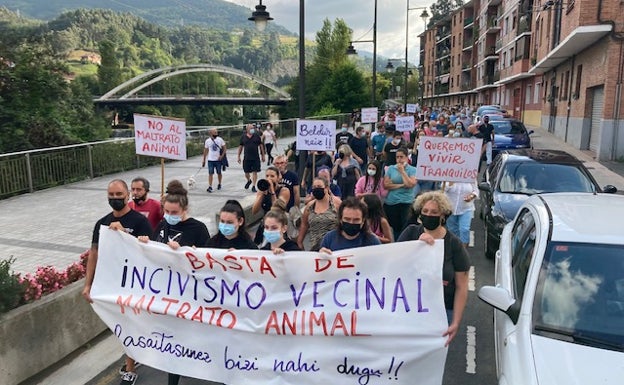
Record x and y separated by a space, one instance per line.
160 137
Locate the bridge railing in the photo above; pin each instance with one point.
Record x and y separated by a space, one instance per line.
28 171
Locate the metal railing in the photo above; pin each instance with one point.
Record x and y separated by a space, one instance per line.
28 171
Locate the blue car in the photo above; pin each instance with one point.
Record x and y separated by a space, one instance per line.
509 134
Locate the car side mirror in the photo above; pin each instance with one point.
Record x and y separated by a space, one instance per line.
609 189
485 186
500 299
531 132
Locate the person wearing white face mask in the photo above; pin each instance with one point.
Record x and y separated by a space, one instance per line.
372 181
400 181
390 149
178 229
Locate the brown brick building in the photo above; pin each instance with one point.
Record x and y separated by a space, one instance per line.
551 63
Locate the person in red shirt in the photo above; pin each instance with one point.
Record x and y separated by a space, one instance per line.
150 208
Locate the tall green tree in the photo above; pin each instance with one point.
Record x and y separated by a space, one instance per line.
442 8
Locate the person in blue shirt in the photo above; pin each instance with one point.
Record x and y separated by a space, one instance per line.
400 181
352 231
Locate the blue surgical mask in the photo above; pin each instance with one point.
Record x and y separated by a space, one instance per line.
272 236
227 229
252 131
344 129
173 219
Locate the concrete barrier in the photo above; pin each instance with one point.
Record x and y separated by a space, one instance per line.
40 334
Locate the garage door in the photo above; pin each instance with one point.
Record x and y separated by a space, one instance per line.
596 119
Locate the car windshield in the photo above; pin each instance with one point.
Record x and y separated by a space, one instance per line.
537 178
580 295
507 127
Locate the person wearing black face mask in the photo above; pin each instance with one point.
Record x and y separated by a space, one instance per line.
352 228
150 208
319 216
122 218
434 207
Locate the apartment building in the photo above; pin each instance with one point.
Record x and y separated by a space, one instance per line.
555 64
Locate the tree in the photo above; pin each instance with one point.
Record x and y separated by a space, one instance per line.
442 8
345 89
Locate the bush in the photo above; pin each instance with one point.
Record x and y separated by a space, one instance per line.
16 290
11 289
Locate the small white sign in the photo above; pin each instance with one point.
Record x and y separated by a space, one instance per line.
316 135
410 108
405 123
448 159
370 115
160 137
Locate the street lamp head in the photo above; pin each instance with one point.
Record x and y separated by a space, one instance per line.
389 67
260 16
351 49
424 15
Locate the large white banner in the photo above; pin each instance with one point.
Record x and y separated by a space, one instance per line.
448 159
372 315
161 137
316 135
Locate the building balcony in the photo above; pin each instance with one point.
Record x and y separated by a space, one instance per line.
492 25
441 89
466 86
468 22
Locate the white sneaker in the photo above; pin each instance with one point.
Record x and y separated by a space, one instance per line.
128 378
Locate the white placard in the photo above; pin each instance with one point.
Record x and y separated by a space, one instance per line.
160 137
316 135
370 115
410 108
448 159
405 123
371 315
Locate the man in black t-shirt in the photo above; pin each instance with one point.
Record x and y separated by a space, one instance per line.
361 148
122 218
390 149
343 136
254 153
486 129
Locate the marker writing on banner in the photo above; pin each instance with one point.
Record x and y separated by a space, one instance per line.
292 366
240 363
302 322
232 262
320 130
162 343
364 373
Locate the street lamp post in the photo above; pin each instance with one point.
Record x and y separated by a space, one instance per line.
424 15
351 51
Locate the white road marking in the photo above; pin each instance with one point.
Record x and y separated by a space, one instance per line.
471 279
471 242
471 349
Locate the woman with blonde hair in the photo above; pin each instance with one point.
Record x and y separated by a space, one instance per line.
346 171
434 208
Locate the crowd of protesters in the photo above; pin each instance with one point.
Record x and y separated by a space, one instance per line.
364 193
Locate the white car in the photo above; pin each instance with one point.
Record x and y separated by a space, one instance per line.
559 294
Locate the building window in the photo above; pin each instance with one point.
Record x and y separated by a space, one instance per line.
536 93
566 85
561 89
577 87
529 94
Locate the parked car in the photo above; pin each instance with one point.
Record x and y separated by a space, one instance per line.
509 134
559 292
515 175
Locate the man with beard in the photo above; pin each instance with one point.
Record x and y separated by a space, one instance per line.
149 207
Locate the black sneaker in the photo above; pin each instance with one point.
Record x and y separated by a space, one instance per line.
209 189
128 378
123 370
247 184
218 187
253 189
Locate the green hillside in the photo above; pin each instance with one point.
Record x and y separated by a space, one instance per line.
215 14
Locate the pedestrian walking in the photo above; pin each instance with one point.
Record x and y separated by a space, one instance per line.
214 151
269 139
461 195
253 148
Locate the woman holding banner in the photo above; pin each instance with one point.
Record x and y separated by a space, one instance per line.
178 229
434 208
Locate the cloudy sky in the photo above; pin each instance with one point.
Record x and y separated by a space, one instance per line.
359 15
